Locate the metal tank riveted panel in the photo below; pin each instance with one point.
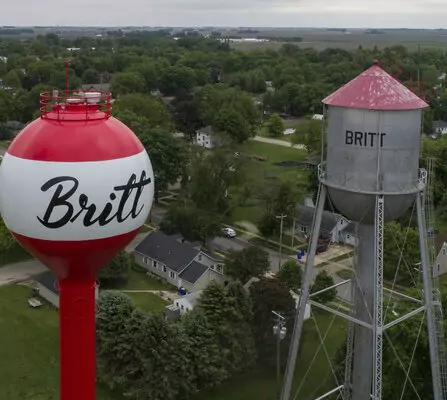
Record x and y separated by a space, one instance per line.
371 152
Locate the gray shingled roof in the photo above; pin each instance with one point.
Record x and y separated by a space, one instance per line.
193 272
305 216
168 250
439 124
207 130
48 280
351 229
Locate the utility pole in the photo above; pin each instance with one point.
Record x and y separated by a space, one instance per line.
279 330
293 232
282 216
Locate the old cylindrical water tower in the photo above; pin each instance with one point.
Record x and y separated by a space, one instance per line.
371 175
373 145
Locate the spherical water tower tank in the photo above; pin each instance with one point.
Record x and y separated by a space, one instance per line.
373 145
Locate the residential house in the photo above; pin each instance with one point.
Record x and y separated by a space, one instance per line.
349 234
46 285
181 263
104 87
440 266
440 127
332 225
206 138
182 305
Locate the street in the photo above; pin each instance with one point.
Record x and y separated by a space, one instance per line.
20 271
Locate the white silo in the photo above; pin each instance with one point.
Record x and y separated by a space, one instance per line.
371 175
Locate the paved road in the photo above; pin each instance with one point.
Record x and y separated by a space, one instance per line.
21 271
279 142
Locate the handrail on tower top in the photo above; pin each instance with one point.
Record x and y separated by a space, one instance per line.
75 105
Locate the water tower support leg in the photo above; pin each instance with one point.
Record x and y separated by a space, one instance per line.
428 300
77 339
304 296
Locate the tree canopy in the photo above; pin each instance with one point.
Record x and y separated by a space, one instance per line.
251 262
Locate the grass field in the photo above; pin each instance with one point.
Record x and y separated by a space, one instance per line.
320 39
265 172
263 386
148 302
141 281
29 349
15 254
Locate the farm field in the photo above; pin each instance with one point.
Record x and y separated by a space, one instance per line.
321 39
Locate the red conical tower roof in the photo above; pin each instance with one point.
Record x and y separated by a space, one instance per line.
376 89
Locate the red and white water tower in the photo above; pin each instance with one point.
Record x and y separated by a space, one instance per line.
76 185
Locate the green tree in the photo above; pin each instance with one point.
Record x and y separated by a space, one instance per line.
269 295
229 320
275 125
192 223
247 263
168 154
177 79
401 253
322 281
232 123
90 76
117 270
291 275
12 79
6 239
309 135
211 176
201 344
117 360
127 82
152 109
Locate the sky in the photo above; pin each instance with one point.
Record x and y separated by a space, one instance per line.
430 14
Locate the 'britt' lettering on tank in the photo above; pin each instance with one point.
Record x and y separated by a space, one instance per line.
364 139
66 187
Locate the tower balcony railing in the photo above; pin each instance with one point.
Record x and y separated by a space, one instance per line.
419 185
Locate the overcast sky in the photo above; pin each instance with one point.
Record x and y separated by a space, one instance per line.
297 13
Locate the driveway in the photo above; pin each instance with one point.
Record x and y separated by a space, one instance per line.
21 271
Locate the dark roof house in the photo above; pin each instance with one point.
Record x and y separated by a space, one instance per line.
305 216
49 281
176 254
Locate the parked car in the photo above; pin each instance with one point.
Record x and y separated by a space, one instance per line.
229 232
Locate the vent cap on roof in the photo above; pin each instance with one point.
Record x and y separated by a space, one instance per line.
376 89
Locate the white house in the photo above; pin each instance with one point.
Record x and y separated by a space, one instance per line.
206 138
440 127
318 117
297 301
440 266
334 226
187 303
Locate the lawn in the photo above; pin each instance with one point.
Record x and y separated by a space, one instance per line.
263 386
14 255
29 349
264 172
148 302
141 281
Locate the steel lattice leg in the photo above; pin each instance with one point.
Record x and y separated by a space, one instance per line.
429 296
308 276
378 300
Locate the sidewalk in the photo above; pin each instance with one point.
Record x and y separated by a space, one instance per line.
21 271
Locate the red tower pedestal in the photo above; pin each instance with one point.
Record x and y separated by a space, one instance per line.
76 185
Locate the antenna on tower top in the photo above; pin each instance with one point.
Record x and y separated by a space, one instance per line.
67 65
